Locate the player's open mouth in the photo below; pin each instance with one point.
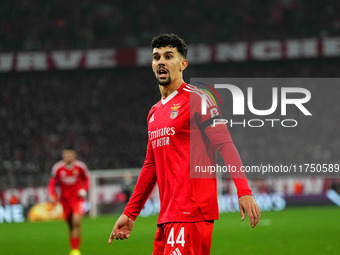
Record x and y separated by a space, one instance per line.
162 72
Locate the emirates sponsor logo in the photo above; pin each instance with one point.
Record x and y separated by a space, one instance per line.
68 180
159 132
161 136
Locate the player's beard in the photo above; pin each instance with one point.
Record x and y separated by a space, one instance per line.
164 82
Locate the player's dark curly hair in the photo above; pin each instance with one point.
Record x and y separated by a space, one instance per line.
170 40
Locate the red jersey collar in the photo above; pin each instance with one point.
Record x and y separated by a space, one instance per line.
169 97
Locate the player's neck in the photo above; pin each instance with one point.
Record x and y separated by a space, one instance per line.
168 89
69 163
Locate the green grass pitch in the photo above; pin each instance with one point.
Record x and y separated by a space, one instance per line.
304 230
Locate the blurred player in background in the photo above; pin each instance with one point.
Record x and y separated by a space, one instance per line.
188 205
73 178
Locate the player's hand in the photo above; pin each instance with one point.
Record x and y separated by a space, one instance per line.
122 228
248 204
53 199
82 193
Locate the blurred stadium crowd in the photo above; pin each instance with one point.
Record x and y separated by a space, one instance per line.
102 113
55 24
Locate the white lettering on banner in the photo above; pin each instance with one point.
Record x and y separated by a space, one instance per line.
24 195
5 214
266 50
100 58
199 54
66 59
231 51
12 213
311 186
143 56
105 194
228 203
331 47
6 62
36 61
306 48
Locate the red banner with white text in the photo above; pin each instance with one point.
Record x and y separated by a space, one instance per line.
268 50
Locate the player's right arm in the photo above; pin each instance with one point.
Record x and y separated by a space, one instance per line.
145 184
53 197
52 194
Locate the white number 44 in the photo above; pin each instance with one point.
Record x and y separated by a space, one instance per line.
179 240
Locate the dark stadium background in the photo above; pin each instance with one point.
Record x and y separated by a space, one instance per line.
102 112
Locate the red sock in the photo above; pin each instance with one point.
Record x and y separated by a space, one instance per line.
75 242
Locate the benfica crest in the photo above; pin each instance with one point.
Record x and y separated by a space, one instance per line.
174 111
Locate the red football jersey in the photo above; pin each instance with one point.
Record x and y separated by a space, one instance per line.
71 178
169 158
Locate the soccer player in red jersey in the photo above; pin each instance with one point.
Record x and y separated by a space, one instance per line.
73 178
178 136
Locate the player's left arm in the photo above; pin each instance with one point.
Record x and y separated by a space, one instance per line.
220 137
